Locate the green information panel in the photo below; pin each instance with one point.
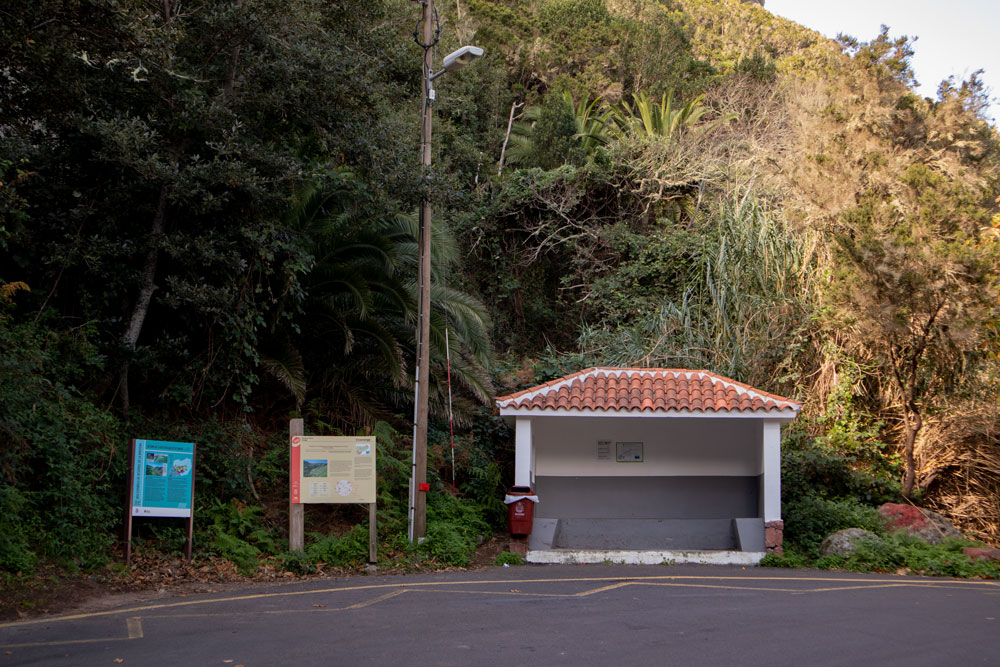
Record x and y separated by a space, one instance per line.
162 475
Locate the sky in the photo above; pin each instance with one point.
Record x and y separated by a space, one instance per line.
954 37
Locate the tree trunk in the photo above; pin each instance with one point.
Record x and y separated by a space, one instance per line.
914 422
510 124
146 288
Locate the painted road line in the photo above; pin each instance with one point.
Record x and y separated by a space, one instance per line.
435 584
604 588
512 593
387 596
853 588
133 626
669 584
270 612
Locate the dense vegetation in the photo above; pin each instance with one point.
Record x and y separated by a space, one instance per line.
207 227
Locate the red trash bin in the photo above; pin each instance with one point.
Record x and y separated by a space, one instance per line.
520 509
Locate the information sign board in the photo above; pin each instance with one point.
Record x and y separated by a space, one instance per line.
162 478
629 452
333 469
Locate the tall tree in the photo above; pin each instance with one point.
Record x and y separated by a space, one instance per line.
163 140
917 283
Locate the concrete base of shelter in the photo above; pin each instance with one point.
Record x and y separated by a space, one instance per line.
674 535
639 557
647 541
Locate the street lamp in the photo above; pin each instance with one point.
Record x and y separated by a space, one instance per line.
458 59
418 473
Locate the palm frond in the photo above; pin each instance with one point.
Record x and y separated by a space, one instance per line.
287 367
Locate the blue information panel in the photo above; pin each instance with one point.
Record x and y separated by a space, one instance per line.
162 475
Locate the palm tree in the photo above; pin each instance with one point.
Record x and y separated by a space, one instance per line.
591 120
350 345
588 120
660 119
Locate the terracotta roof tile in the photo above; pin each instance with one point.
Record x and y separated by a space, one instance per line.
647 390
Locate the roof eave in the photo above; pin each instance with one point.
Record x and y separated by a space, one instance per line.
782 414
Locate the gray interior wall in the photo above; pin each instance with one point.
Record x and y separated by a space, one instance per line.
672 446
703 497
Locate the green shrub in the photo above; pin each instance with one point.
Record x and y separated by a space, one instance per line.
811 468
758 66
790 558
297 562
244 555
509 558
484 487
237 532
454 527
62 463
16 554
809 519
900 551
831 562
346 550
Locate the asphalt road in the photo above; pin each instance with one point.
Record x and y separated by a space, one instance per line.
541 615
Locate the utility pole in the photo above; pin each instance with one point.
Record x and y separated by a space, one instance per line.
426 38
418 476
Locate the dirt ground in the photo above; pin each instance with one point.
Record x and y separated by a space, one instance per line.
154 577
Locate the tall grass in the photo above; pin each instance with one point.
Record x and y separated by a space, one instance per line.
744 308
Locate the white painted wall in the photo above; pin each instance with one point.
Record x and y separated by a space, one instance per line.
523 455
567 446
770 497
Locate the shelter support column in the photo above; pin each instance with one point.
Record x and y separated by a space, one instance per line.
522 452
770 497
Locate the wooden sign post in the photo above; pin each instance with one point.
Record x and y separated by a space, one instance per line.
329 469
296 516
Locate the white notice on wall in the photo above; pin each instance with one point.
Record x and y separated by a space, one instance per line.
603 450
629 452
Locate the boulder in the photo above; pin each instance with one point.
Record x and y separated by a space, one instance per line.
841 543
981 553
929 526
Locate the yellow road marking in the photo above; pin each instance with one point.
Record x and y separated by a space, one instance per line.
510 593
851 588
438 584
380 598
604 588
728 588
133 624
271 612
66 642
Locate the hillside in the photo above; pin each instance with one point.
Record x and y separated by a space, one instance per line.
861 211
207 225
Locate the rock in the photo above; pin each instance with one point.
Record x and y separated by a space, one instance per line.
774 532
929 526
841 543
981 553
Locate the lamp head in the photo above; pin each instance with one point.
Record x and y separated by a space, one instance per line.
460 58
